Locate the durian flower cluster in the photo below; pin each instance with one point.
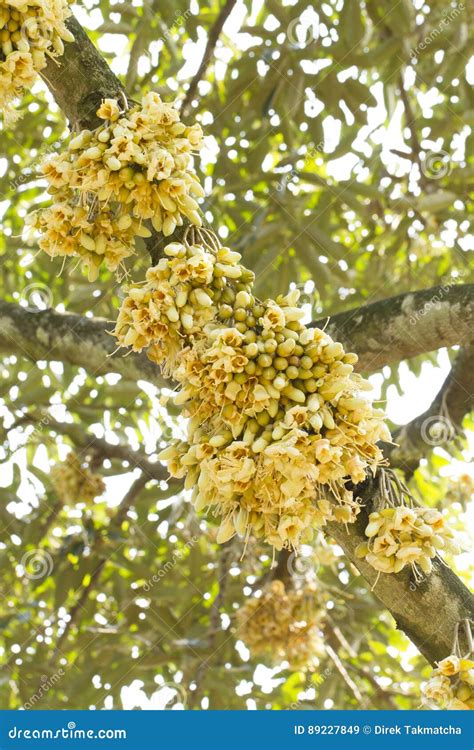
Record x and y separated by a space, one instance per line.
399 536
75 483
134 169
30 31
460 490
183 293
283 624
451 685
275 412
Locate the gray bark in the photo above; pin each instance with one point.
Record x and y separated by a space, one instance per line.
48 335
427 612
385 332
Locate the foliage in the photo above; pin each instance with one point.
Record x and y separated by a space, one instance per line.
336 159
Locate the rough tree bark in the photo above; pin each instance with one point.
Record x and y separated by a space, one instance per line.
396 328
50 335
77 85
80 79
427 611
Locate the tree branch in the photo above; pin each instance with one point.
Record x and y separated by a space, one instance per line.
80 79
441 422
87 442
381 333
212 40
410 123
426 611
390 330
52 336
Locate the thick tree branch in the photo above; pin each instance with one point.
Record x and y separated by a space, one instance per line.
49 335
397 328
80 79
426 611
441 422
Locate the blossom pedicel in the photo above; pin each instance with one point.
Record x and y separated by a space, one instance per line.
30 31
134 168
